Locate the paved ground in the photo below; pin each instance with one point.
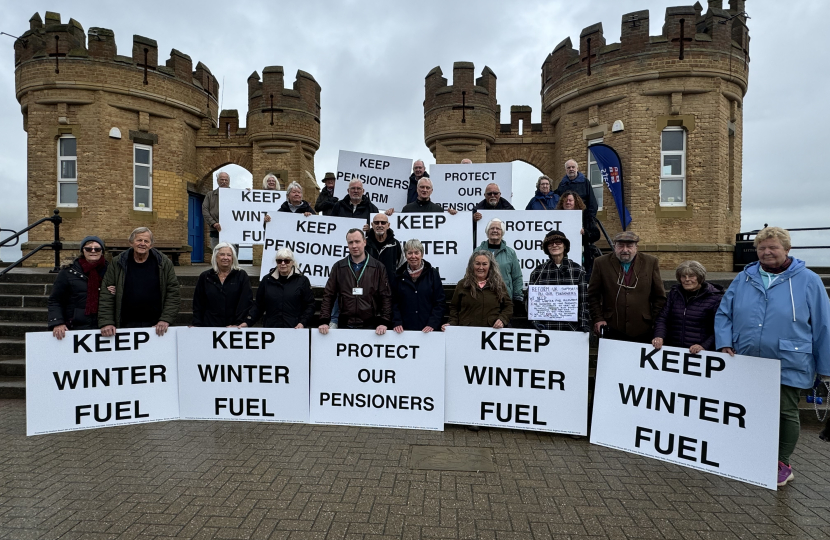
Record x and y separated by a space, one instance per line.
252 480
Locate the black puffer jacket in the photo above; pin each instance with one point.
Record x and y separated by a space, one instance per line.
67 303
682 324
283 303
389 252
217 304
420 303
412 188
364 210
304 207
325 202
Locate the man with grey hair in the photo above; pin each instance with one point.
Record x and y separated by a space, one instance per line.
146 288
466 161
355 204
210 208
419 171
575 181
295 202
423 202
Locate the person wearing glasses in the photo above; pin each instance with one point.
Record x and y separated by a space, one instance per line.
625 293
509 266
283 298
382 246
146 288
73 303
418 301
359 284
544 199
223 295
492 201
356 204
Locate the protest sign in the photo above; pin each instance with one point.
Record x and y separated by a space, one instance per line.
317 242
359 378
517 379
462 186
88 381
447 240
242 213
709 411
385 179
553 303
526 231
254 374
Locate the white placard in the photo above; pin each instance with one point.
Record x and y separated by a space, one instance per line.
359 378
253 374
317 242
462 186
517 379
526 231
89 381
553 303
242 213
447 240
711 412
385 178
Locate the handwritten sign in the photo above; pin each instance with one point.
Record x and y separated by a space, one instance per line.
553 303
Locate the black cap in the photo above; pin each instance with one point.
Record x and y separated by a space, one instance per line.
89 239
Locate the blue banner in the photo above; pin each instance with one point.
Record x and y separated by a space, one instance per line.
610 167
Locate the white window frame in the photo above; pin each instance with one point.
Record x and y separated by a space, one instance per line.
61 180
592 160
149 148
674 177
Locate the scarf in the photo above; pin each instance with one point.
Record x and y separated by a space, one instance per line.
93 283
415 273
778 269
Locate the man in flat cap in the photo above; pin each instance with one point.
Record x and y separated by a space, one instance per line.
626 292
326 199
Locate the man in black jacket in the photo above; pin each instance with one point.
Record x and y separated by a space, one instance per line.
576 181
356 205
419 171
423 202
492 201
326 200
381 245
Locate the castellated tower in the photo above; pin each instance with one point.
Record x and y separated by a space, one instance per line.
670 105
117 142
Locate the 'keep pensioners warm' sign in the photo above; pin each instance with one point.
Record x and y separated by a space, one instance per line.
709 411
462 186
446 239
242 213
385 179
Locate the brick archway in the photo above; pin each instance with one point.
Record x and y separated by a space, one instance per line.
540 156
209 160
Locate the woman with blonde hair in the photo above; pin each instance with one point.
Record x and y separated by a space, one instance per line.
223 293
284 298
481 297
271 182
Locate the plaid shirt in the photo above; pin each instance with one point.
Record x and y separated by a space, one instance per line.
568 273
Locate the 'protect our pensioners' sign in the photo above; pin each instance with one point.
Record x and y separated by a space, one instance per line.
254 374
517 379
385 179
359 378
526 231
317 242
709 411
462 186
89 381
242 213
447 240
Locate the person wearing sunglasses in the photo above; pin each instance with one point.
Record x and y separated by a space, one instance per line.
73 303
492 201
283 298
626 293
223 295
382 246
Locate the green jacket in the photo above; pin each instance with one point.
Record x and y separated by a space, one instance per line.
511 270
109 306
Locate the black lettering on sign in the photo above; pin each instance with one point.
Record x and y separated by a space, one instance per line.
670 362
514 341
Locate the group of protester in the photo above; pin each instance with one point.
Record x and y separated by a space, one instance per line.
774 308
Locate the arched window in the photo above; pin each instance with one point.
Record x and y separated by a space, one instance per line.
67 171
673 167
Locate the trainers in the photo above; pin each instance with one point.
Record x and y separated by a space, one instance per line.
785 474
333 326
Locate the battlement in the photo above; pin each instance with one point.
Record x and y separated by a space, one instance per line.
688 34
49 38
481 91
270 92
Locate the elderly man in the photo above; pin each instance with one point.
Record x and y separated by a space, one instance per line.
326 199
356 205
576 181
423 202
381 245
210 208
466 161
626 292
146 288
295 202
492 201
418 171
360 284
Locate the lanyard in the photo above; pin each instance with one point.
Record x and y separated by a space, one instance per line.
358 278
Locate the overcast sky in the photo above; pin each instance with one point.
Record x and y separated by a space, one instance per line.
371 57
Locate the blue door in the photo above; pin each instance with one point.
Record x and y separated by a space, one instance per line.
195 229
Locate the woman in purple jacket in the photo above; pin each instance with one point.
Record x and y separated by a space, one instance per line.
688 318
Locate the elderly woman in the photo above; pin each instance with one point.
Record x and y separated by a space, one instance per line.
284 298
545 198
270 182
511 270
223 295
481 297
571 200
560 270
688 317
418 300
295 202
73 303
777 308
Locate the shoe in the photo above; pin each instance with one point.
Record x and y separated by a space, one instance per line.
785 474
474 428
825 433
333 326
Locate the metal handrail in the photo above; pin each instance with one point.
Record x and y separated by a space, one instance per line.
604 233
11 231
56 245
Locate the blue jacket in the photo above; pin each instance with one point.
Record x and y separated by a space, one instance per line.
789 321
417 304
510 267
582 186
542 201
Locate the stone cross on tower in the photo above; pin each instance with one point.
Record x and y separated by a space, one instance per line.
271 109
589 56
682 39
57 54
145 65
463 107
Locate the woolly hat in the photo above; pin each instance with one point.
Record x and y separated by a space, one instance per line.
89 239
556 235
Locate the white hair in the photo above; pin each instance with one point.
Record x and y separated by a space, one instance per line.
293 185
425 179
222 245
285 253
141 230
268 176
496 220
